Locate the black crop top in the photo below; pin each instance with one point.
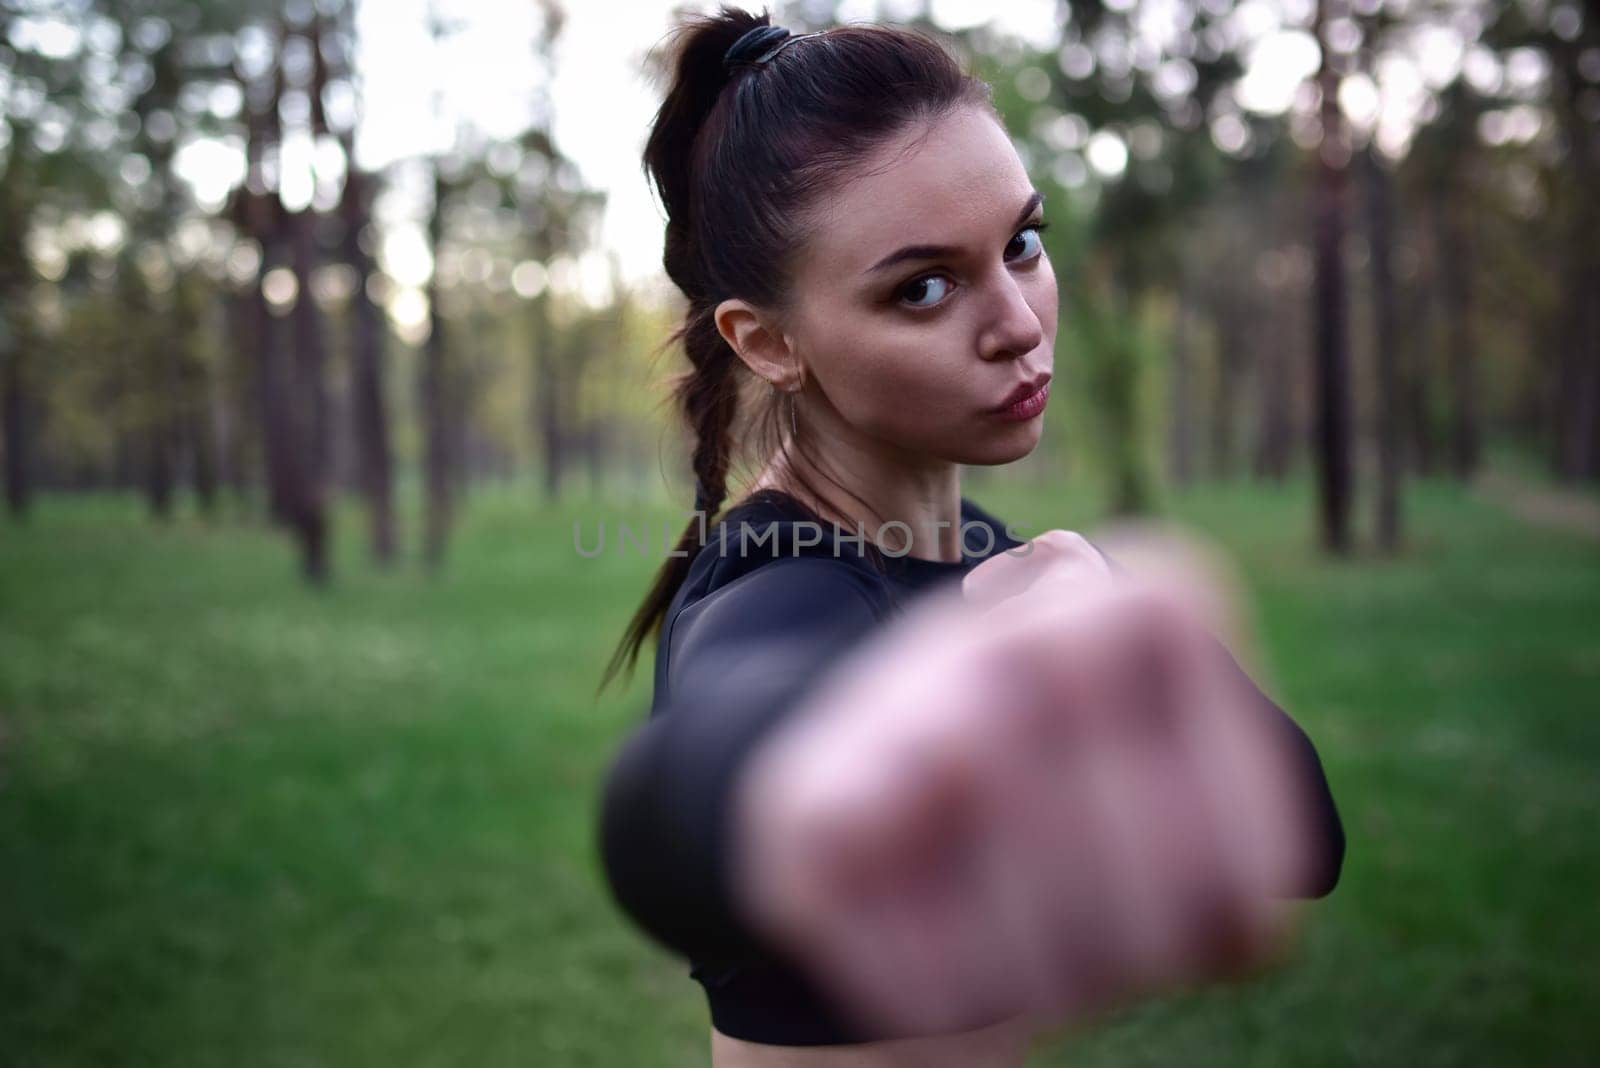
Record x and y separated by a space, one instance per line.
766 607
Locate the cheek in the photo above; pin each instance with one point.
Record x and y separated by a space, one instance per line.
883 376
1045 299
922 387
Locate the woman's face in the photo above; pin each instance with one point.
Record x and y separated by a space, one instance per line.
915 348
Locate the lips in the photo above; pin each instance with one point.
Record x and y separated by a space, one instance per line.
1022 392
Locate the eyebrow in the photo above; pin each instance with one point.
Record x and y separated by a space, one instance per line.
933 252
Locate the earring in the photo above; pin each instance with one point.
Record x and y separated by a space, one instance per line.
794 430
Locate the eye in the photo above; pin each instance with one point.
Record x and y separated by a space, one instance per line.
914 294
1033 233
927 285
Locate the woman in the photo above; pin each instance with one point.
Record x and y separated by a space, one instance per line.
912 789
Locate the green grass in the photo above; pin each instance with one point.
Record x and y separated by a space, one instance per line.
247 823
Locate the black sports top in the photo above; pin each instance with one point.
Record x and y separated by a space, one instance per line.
771 601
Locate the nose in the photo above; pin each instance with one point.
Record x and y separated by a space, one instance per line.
1014 328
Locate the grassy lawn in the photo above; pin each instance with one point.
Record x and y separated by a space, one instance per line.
245 823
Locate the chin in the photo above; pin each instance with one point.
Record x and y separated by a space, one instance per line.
1011 443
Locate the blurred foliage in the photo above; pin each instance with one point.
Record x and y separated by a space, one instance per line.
1180 194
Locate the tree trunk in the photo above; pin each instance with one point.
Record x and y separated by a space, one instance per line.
193 426
14 415
1455 283
15 340
1576 368
1272 443
1229 343
1423 319
1331 314
1380 237
1592 460
227 425
1577 399
272 352
156 363
158 467
436 401
370 418
310 412
547 397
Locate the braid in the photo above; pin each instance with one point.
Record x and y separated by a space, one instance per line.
709 404
709 399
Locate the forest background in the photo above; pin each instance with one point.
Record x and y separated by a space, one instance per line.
318 338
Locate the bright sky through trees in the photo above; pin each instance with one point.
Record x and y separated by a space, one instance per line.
484 76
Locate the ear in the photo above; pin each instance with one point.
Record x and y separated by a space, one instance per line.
756 338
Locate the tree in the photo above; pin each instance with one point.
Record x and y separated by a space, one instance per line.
367 331
1331 319
39 88
288 336
1385 345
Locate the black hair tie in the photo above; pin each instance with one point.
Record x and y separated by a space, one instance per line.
759 44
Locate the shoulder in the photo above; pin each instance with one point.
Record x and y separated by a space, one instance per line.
739 600
787 593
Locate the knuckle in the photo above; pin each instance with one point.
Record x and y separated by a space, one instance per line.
1066 543
1078 543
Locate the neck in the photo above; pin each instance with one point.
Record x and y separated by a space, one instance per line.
873 485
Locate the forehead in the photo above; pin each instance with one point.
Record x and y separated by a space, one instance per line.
956 182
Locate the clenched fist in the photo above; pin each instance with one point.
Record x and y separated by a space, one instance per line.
1045 794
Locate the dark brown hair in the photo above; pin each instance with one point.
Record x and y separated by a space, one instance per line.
737 158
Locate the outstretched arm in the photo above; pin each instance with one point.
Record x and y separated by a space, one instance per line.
1328 847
